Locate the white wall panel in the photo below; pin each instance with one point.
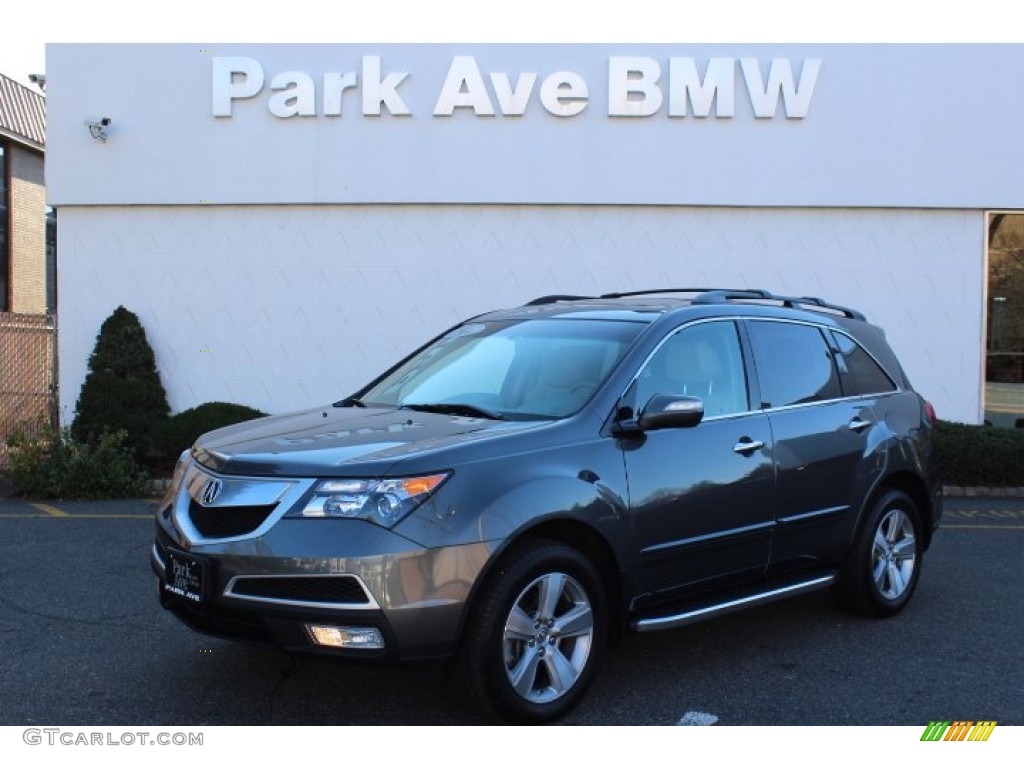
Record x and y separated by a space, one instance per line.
286 307
902 126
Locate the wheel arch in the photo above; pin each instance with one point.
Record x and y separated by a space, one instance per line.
582 537
913 486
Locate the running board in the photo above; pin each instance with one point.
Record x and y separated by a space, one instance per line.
721 609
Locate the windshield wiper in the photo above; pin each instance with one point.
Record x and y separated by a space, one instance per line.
350 402
456 409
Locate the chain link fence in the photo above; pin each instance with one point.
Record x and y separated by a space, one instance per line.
28 375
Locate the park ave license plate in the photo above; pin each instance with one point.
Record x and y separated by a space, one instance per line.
186 576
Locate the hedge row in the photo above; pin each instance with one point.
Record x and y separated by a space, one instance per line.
178 432
58 466
975 455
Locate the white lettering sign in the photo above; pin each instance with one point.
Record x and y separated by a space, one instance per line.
638 87
633 86
719 83
381 92
226 87
295 94
563 94
464 87
765 97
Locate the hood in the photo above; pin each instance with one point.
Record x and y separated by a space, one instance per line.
331 441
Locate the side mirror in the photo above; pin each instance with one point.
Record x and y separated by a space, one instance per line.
671 411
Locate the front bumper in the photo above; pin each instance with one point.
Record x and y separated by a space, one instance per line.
268 588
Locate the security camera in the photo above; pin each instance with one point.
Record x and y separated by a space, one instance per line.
39 80
98 127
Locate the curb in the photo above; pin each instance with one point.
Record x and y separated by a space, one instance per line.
981 491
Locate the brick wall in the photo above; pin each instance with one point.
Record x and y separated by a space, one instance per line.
28 231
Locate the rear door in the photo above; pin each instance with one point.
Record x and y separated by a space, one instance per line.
826 454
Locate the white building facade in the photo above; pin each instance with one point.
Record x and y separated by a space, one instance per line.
289 220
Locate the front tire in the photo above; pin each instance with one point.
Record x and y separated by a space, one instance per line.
882 570
537 634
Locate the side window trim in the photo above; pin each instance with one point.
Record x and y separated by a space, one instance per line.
746 360
894 384
755 400
830 346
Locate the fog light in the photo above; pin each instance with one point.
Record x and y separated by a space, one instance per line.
345 637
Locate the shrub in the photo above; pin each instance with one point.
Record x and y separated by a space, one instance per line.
179 432
57 466
122 390
974 455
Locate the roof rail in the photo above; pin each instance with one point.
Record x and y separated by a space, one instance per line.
717 296
624 294
725 296
553 298
815 301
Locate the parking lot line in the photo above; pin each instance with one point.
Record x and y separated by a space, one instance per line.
50 510
67 516
982 527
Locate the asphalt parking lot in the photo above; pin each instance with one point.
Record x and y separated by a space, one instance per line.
83 641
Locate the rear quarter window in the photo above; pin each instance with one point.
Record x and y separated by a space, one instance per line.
859 373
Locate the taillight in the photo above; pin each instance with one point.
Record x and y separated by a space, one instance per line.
929 412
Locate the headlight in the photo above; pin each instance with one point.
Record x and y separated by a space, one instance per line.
383 502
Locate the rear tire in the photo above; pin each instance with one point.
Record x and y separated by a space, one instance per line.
536 635
882 569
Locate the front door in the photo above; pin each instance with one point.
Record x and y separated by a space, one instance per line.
701 498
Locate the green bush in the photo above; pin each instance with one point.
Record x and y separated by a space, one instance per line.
57 466
974 455
179 432
122 390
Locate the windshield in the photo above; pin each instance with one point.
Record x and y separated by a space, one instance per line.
524 369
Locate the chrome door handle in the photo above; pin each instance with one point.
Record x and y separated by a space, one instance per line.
858 424
746 445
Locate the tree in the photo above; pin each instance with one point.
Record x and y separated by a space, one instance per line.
122 389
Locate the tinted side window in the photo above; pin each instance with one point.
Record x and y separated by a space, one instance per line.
702 360
858 371
794 364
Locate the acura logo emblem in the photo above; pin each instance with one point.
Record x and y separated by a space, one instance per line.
212 491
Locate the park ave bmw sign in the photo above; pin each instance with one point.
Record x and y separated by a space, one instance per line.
636 86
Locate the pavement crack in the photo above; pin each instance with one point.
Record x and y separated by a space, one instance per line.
290 669
96 621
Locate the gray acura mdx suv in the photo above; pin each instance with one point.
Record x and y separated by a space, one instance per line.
535 481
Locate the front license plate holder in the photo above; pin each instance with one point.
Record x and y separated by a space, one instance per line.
187 576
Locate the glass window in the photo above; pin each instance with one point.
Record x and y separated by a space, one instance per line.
702 360
794 364
858 371
51 260
533 369
1004 369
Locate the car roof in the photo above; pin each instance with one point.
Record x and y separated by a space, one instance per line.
647 306
650 305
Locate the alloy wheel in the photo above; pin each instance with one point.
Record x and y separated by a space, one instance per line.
893 554
548 637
